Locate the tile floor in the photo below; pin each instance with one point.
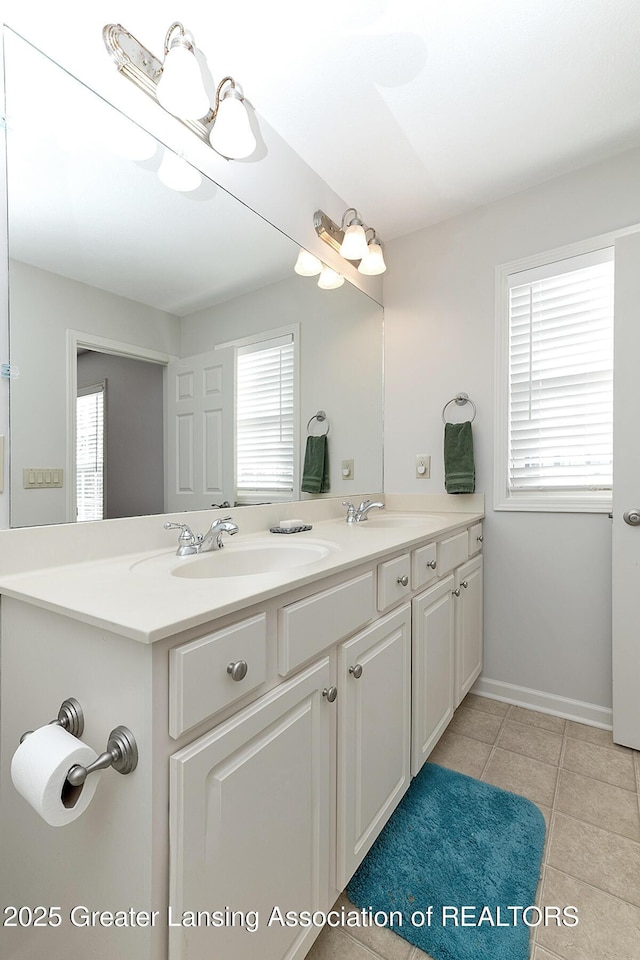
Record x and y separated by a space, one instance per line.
588 789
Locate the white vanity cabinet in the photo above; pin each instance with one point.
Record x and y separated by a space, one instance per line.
468 626
374 725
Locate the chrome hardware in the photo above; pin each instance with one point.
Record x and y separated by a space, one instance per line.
365 506
121 754
330 693
187 541
432 563
351 511
403 581
456 593
356 671
632 517
465 584
480 538
70 718
190 544
238 670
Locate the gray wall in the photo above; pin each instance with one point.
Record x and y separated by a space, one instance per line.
548 576
134 439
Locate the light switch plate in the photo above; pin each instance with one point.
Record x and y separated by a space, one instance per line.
40 478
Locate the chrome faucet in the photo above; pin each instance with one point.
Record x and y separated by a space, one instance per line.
359 514
190 544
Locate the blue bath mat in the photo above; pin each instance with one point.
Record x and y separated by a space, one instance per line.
453 843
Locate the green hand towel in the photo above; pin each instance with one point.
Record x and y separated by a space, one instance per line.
459 466
315 473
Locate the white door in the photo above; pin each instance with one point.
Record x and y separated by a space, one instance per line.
200 440
626 494
374 716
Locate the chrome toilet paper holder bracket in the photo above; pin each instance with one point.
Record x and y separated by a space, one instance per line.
121 754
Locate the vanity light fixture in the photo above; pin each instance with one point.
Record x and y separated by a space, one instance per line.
350 240
176 84
177 174
329 279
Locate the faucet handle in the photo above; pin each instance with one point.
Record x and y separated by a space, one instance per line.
187 533
364 505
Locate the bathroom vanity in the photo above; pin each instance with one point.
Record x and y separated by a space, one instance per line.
279 716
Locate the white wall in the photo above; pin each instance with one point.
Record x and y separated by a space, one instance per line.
43 307
548 576
340 364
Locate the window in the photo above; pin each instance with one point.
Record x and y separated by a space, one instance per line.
557 403
90 415
265 421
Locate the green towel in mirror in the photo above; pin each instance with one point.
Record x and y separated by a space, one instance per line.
315 473
459 465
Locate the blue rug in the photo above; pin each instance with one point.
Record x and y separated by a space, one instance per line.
453 843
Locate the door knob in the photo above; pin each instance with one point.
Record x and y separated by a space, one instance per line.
632 517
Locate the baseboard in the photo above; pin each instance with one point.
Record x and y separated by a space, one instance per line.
589 713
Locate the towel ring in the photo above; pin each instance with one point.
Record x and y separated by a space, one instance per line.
320 416
460 399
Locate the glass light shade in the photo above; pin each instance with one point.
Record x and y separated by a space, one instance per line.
354 245
307 265
180 89
373 263
177 174
329 279
231 134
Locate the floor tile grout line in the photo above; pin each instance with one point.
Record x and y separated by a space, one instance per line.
494 745
596 826
591 776
592 886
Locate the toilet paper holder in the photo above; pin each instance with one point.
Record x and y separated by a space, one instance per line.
121 752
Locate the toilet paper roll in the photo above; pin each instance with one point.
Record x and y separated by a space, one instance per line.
39 770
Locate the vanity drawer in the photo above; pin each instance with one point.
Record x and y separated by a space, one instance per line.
309 626
200 683
423 566
452 552
475 538
393 581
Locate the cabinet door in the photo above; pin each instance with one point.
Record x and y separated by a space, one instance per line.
374 684
249 825
433 669
468 618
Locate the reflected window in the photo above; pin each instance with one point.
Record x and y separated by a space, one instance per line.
90 429
265 453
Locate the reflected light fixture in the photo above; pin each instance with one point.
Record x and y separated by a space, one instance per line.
329 279
176 173
307 265
176 83
350 240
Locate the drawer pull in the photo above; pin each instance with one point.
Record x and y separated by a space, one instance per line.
403 581
330 693
464 584
456 593
238 670
432 563
480 539
356 671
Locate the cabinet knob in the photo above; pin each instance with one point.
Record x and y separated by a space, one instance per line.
432 563
356 671
480 538
465 584
403 581
238 670
330 693
456 593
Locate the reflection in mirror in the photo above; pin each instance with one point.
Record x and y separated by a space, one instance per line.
166 296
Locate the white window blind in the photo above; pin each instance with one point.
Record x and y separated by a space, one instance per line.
561 376
90 413
264 420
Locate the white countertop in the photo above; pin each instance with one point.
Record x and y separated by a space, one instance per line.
148 603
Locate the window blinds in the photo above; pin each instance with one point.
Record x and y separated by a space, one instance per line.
90 452
264 420
561 375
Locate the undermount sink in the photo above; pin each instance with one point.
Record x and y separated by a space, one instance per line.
248 558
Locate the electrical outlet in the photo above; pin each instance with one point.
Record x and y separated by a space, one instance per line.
423 466
347 469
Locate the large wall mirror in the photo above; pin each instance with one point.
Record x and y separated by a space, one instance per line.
136 310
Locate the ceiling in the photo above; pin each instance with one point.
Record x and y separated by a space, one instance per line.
412 110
